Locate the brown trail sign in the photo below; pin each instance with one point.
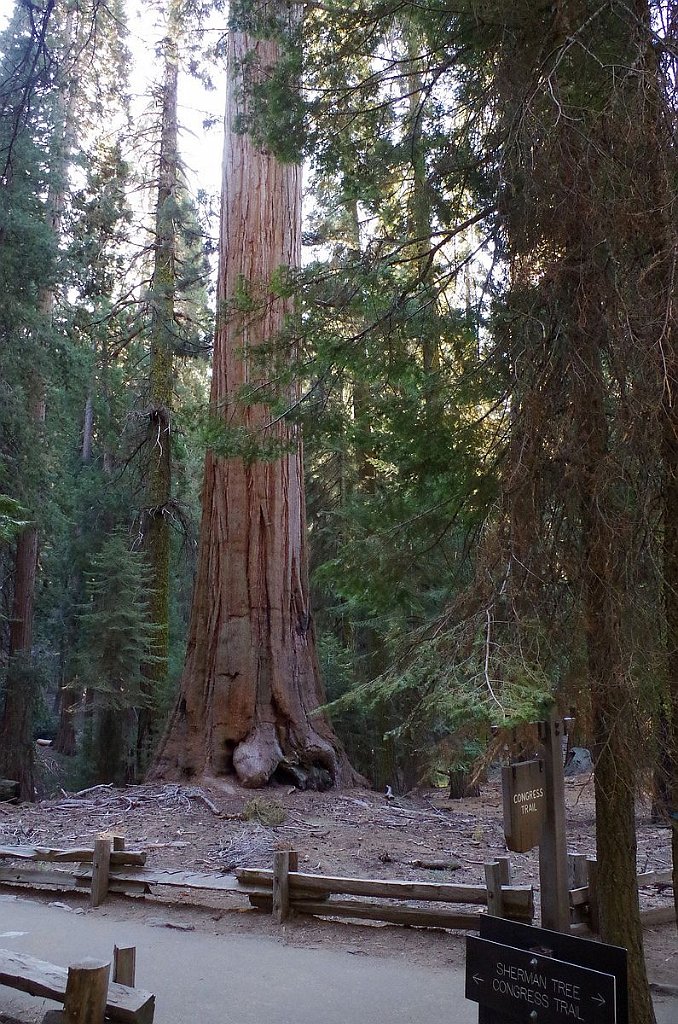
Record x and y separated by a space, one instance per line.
534 815
524 794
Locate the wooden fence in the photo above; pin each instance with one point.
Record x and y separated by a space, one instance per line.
583 889
84 988
109 867
285 889
101 868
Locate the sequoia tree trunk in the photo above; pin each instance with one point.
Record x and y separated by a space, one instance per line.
250 690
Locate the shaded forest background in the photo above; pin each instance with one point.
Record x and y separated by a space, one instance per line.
437 342
108 317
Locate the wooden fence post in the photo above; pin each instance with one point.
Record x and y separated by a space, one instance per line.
554 894
594 913
504 870
124 965
101 863
86 992
577 873
281 885
493 881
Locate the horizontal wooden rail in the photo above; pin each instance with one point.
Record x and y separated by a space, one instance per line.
286 890
39 978
518 896
74 855
404 913
580 896
66 881
663 877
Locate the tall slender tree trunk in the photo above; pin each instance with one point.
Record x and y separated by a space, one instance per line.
612 697
670 751
156 513
250 690
16 740
420 198
68 695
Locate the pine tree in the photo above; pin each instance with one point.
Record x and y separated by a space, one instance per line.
116 639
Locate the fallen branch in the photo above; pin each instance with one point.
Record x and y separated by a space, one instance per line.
93 789
435 865
197 794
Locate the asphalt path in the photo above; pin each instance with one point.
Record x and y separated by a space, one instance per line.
235 979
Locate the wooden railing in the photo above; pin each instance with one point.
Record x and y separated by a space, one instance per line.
285 889
583 881
101 867
83 988
109 867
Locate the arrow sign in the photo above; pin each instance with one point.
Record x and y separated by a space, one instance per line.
529 986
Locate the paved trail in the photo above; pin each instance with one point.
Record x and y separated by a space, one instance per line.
235 979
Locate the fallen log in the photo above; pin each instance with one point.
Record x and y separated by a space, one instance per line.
435 865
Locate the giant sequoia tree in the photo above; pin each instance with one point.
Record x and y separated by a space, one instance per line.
250 688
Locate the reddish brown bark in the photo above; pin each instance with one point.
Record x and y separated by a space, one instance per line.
250 687
16 741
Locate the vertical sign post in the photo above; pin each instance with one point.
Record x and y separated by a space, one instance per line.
553 886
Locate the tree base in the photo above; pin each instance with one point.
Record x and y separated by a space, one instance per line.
300 757
9 791
463 784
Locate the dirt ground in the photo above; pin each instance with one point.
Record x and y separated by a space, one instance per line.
220 825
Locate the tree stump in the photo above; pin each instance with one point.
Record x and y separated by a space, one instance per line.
462 784
9 790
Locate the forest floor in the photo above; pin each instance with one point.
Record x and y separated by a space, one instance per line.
219 826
